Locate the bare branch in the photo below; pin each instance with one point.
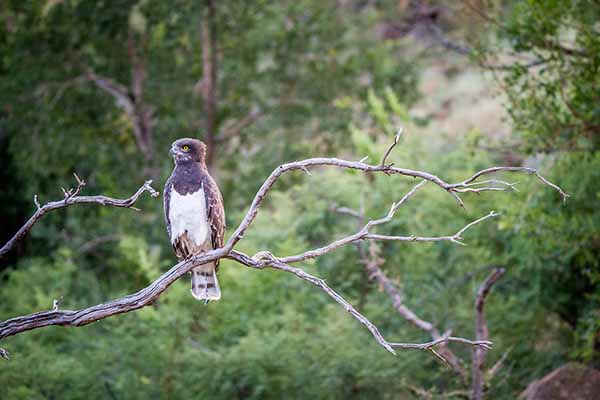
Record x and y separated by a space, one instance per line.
125 304
114 88
491 170
458 235
313 162
56 303
364 234
131 100
372 263
458 199
503 186
36 201
261 260
71 197
456 238
266 260
481 332
498 365
394 143
485 344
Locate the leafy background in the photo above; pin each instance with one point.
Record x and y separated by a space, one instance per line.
331 79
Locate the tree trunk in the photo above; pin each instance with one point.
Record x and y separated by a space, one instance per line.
209 79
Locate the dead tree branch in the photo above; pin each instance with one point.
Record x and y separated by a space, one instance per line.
389 149
372 263
481 333
72 197
265 259
361 166
139 115
131 100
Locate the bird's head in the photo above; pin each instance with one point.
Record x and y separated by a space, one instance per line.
187 150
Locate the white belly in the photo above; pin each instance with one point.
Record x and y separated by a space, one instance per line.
188 214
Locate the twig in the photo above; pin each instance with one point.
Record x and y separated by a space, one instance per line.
498 365
306 171
456 238
71 197
485 344
131 100
504 186
491 170
363 234
389 149
267 260
372 263
55 303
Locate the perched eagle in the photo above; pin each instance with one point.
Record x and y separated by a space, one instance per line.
194 214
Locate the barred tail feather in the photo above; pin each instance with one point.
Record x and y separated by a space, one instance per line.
205 285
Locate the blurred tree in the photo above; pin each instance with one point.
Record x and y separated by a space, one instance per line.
545 58
130 70
551 77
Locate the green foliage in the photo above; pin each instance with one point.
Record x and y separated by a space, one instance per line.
555 107
556 103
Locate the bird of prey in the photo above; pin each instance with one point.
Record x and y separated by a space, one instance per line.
194 214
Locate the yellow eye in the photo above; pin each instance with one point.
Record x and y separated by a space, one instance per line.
186 148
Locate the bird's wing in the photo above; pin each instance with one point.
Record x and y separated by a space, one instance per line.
166 202
215 211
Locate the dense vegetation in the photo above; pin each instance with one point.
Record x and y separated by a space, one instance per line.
318 79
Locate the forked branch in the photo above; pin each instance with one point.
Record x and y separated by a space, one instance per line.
372 261
265 259
71 197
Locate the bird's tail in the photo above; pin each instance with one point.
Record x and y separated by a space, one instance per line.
205 285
